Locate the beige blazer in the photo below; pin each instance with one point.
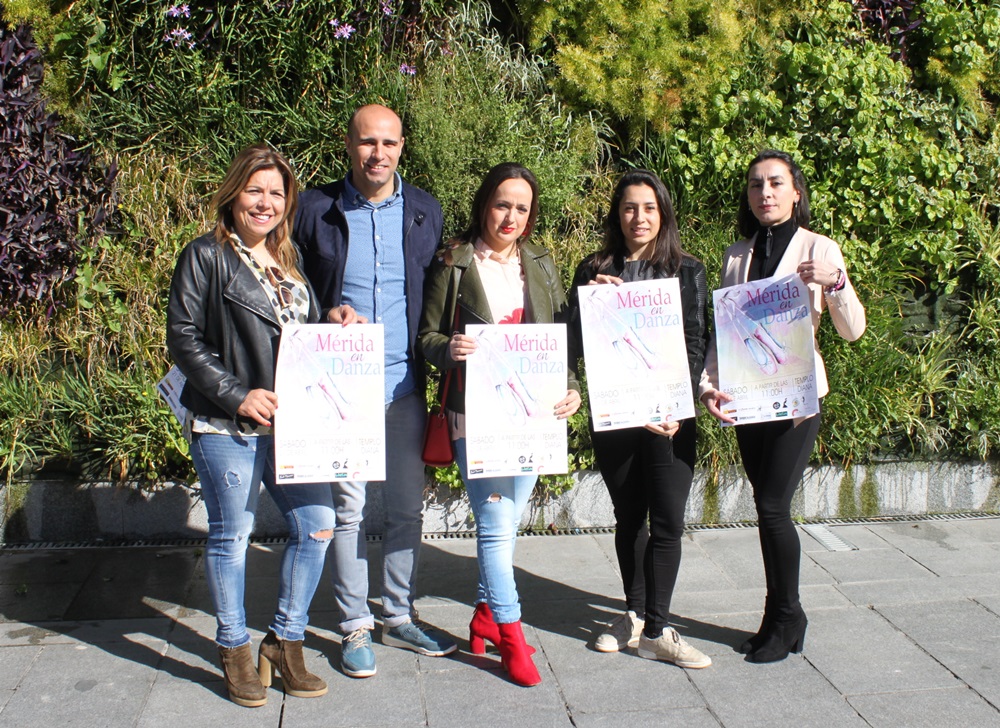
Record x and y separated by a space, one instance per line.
846 311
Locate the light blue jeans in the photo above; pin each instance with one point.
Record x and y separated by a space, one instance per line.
497 504
231 470
403 505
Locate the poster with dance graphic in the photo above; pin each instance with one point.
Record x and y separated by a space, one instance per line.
767 363
513 381
633 343
330 423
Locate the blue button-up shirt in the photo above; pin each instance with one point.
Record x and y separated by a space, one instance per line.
375 278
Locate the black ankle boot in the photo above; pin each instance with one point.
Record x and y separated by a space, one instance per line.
755 642
781 639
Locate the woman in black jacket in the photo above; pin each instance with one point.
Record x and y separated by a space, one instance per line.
648 471
231 293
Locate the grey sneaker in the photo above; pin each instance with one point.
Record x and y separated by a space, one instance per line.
419 637
670 647
621 633
357 659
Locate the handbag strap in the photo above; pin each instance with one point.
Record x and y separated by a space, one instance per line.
454 328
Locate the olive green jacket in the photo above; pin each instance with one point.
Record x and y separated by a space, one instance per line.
453 280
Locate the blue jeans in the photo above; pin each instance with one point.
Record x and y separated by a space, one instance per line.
231 470
403 506
497 504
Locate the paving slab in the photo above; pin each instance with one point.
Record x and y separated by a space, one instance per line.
973 559
580 620
736 553
990 602
175 701
943 630
903 631
83 685
907 536
687 717
985 530
28 602
699 572
860 651
606 542
595 682
16 662
788 693
926 709
47 567
740 601
921 590
539 577
5 696
485 697
19 634
886 564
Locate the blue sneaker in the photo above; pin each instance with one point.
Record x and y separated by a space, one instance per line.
419 637
356 656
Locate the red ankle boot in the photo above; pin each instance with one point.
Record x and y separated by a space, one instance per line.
483 627
515 657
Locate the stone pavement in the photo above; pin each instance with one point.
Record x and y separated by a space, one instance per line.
904 631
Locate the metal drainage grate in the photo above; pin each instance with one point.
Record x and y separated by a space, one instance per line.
590 530
828 538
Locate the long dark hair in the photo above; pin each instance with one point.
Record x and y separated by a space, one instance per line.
245 165
667 251
493 179
746 221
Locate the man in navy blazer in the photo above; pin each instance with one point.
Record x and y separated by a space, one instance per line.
366 242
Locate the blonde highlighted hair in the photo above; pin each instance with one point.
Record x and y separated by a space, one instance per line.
245 165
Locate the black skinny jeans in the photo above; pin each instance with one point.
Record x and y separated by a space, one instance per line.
775 455
648 475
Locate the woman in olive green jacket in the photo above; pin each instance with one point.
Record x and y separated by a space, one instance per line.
491 275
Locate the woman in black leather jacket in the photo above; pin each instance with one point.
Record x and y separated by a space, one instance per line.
231 293
648 471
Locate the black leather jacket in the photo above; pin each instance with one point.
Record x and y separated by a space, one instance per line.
694 308
221 328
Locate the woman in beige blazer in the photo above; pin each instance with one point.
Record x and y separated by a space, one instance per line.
773 219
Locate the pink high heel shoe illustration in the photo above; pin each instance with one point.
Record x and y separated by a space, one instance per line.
510 388
624 339
329 392
763 347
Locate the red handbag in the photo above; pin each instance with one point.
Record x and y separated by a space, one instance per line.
437 451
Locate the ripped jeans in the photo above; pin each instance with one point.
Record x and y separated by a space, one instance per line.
231 470
497 504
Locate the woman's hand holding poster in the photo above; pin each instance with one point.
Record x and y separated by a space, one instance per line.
633 341
330 423
764 338
513 382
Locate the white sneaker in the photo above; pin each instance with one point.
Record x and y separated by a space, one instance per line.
670 647
621 633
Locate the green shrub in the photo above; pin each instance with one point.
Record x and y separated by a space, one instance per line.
644 62
480 102
203 80
956 49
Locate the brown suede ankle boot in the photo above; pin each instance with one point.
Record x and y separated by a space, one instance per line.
285 657
242 681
